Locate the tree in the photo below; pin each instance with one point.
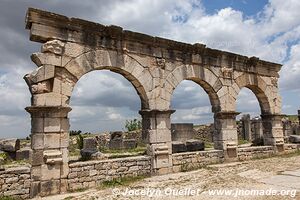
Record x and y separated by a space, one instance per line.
132 125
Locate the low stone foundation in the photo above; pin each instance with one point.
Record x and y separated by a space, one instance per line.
290 148
248 153
90 174
191 160
15 182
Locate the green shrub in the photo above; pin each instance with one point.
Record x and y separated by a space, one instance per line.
72 132
132 125
79 139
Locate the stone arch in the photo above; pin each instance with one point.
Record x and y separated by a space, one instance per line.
112 61
265 93
201 76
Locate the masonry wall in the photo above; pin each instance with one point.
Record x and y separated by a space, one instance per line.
15 182
248 153
290 148
191 160
90 174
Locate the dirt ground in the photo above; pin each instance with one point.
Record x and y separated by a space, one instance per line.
277 174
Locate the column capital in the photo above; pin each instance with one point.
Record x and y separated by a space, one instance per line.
156 112
272 116
48 111
226 114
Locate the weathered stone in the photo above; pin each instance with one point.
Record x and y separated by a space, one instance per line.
294 138
154 66
182 131
194 145
178 147
129 143
10 145
24 154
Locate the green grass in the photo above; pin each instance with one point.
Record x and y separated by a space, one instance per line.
293 118
123 181
6 160
209 145
139 149
243 141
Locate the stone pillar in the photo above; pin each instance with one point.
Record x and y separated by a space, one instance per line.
157 134
246 121
273 131
257 129
49 143
299 116
225 135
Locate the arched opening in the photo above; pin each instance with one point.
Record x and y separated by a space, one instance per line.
192 123
251 103
105 115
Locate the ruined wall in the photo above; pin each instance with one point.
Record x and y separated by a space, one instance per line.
191 160
290 148
248 153
89 174
204 132
15 182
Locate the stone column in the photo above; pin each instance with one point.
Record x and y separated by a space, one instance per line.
246 127
157 134
273 131
257 129
225 135
299 116
49 143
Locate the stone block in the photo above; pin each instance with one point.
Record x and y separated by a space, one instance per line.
64 170
87 154
74 50
159 135
194 145
53 156
47 99
52 124
10 145
178 147
66 89
49 187
38 157
90 144
35 188
52 140
36 173
46 59
294 138
56 86
182 131
63 185
37 125
24 154
115 144
64 139
37 141
129 143
50 172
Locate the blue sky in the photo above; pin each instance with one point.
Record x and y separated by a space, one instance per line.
248 7
269 30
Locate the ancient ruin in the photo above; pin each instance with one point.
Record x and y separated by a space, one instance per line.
72 47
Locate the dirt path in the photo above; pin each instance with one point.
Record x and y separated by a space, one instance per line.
266 175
